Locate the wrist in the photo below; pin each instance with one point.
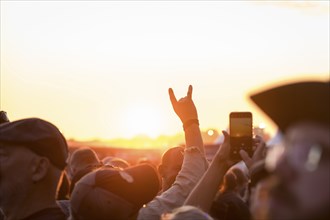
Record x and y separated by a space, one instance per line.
189 123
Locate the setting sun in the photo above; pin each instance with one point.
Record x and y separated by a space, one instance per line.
142 119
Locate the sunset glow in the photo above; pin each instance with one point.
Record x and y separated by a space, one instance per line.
142 120
101 70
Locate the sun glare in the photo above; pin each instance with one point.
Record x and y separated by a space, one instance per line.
142 120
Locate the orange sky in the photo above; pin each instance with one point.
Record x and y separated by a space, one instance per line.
102 69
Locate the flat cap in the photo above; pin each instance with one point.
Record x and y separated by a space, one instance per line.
110 193
38 135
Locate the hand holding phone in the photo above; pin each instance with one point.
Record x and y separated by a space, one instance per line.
240 129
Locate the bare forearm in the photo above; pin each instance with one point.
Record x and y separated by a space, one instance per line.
203 194
193 137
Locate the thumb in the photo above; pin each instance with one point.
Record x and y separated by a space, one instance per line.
226 135
246 158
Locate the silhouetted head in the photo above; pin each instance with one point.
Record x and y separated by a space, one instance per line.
301 174
229 182
170 166
115 162
33 154
81 159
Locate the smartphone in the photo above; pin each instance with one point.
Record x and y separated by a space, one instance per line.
240 130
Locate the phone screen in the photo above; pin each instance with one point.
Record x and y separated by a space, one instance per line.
241 127
240 134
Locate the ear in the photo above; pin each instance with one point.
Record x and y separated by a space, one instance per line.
40 169
73 171
161 170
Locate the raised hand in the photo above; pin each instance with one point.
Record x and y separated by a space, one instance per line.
258 154
224 150
185 107
223 153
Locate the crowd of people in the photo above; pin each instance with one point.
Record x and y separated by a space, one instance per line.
40 180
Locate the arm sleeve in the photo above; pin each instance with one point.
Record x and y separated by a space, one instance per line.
193 167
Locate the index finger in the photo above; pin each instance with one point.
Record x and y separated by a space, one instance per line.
260 148
172 96
225 134
189 93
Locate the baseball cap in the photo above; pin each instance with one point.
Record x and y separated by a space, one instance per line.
110 193
40 136
291 103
